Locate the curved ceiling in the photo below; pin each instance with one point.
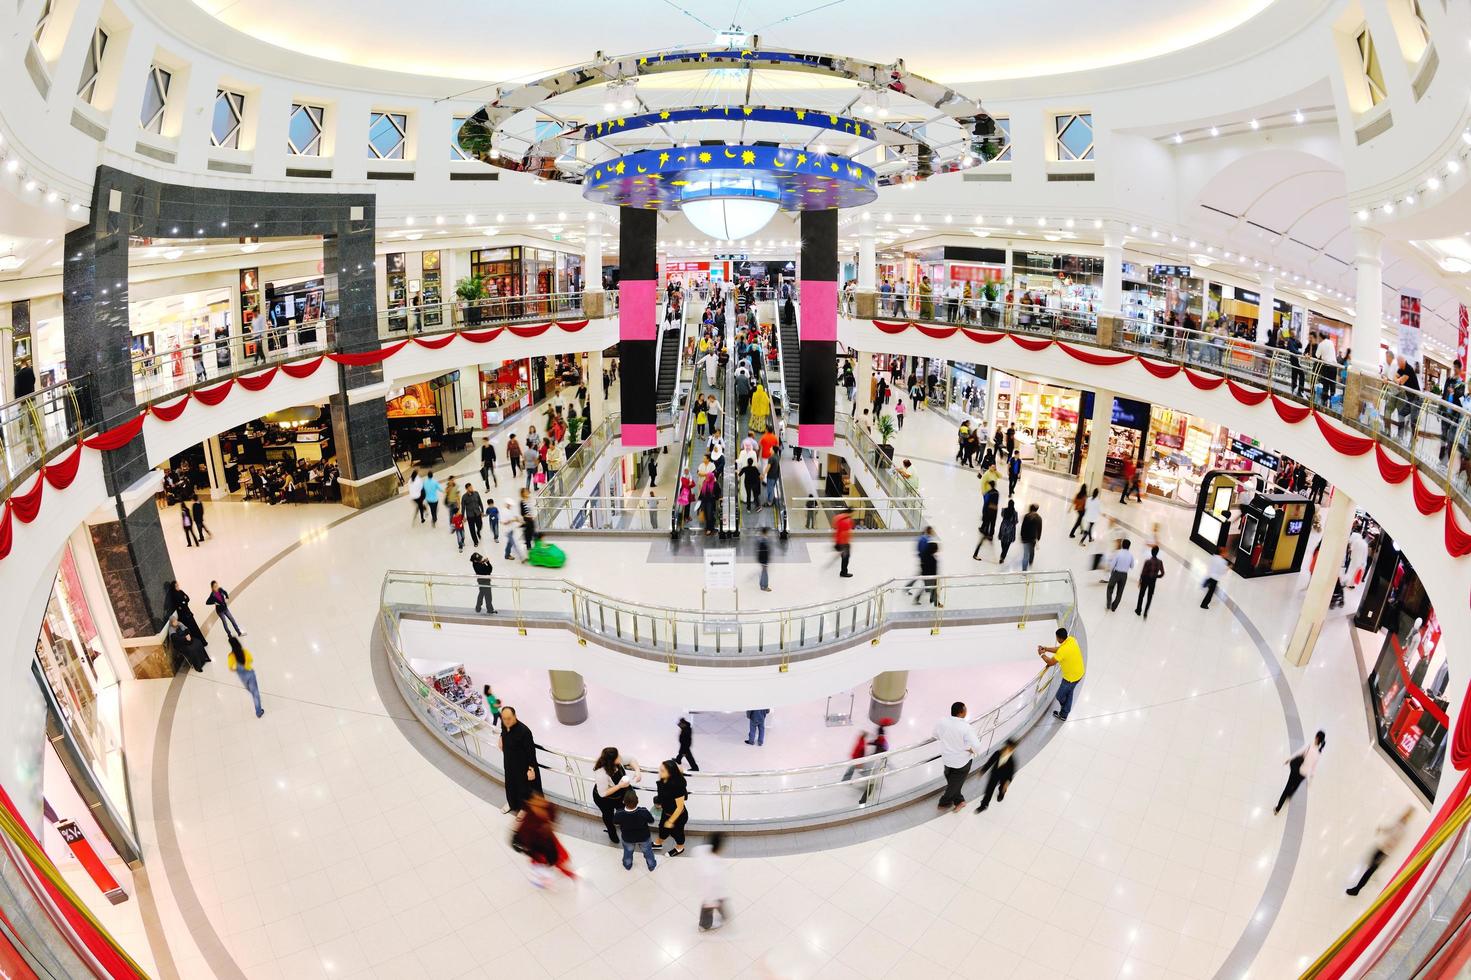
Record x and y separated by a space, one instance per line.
949 40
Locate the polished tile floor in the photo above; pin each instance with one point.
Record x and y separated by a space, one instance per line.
316 843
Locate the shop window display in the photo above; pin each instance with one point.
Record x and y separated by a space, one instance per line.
1407 690
84 684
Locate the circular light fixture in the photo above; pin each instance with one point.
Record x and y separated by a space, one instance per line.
730 209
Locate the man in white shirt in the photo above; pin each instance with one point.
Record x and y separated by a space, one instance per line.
952 301
958 750
1214 573
1327 354
1118 564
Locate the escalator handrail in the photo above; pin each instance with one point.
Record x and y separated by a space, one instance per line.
686 430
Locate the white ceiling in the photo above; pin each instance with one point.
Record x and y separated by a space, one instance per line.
949 40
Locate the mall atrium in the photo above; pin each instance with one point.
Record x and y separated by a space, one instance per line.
1021 450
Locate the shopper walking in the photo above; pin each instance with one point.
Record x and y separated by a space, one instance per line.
1387 837
243 665
433 490
482 568
1031 533
452 497
518 761
196 511
610 782
536 837
1215 572
1150 573
1007 532
1002 768
416 495
686 739
1080 506
929 572
185 518
473 508
713 872
487 464
959 747
220 599
990 502
1068 657
843 540
493 517
756 726
670 795
1119 564
763 558
1092 512
513 455
1300 768
1013 474
634 822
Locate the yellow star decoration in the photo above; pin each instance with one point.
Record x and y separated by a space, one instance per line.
835 168
663 159
643 61
620 122
801 113
597 174
704 56
747 110
704 158
664 114
618 168
833 120
748 157
801 159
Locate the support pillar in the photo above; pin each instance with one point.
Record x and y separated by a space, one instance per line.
1337 523
1098 439
886 696
214 466
866 300
569 696
1266 305
593 298
865 383
1368 300
472 416
817 329
594 381
1113 273
638 316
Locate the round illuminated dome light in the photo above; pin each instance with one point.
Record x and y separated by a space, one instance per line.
731 190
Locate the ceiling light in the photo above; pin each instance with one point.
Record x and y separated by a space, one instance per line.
30 185
250 247
469 219
1192 243
1453 166
917 218
1179 138
729 218
1071 222
949 218
1134 228
1041 222
75 207
1433 184
410 221
1097 222
1409 199
561 215
1010 220
51 197
1227 255
980 232
12 165
1254 124
1466 137
1215 131
1363 214
1153 233
499 218
888 216
1388 207
531 217
1297 116
439 219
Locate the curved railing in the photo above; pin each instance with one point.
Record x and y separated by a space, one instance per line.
731 637
458 314
759 799
39 425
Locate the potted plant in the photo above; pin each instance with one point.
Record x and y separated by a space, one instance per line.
993 292
886 429
470 290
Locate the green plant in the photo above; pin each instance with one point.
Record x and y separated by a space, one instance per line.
887 428
992 290
470 289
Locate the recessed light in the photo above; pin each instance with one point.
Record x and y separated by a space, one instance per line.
1297 116
1433 184
1041 222
1179 138
1453 166
51 197
531 217
1363 214
30 185
1097 222
1215 131
439 219
1254 124
409 221
12 165
469 219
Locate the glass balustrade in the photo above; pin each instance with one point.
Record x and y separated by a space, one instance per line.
804 794
40 425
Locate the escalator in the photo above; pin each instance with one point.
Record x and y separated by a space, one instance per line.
790 362
670 345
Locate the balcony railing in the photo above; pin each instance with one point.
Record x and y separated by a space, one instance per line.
749 799
458 314
162 373
36 427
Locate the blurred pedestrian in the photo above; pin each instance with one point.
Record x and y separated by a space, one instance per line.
241 662
1386 838
713 869
1300 768
1002 768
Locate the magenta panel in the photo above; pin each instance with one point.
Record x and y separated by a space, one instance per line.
818 319
638 313
639 435
812 436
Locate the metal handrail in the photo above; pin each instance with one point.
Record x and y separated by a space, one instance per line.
456 314
36 427
274 346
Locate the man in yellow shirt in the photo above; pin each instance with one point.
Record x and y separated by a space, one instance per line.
1069 657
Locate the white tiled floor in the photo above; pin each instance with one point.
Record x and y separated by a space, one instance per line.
1136 844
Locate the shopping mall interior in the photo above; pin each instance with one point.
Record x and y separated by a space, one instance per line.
1050 431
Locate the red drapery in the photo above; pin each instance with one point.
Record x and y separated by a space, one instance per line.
302 369
1343 442
1159 370
1246 396
1392 471
1088 357
168 413
117 436
367 357
1031 344
257 382
1457 542
213 396
438 343
1288 412
1204 381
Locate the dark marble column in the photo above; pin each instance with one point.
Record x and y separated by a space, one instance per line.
135 565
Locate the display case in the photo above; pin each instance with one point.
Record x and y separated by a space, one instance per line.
397 297
433 292
1407 692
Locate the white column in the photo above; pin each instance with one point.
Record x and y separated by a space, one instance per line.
1266 303
214 465
1337 523
867 263
865 382
1098 439
592 255
594 381
1369 299
469 385
1113 273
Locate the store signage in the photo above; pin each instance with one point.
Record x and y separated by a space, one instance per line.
1246 296
1294 527
1126 412
1161 271
719 568
86 855
1254 453
731 256
1409 327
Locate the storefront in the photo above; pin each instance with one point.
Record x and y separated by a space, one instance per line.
966 395
505 389
1410 673
1162 294
165 328
1180 448
1126 434
1045 417
1061 283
